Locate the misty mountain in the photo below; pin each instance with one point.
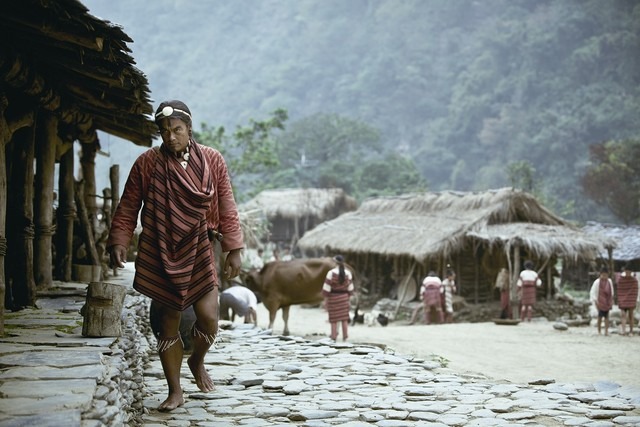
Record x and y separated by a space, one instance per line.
464 88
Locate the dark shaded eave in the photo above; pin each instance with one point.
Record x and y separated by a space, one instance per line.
69 60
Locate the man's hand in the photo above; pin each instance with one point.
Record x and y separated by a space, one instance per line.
118 256
232 264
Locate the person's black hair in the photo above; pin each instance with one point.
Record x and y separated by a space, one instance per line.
341 274
173 108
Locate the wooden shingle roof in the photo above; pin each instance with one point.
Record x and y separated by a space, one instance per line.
55 54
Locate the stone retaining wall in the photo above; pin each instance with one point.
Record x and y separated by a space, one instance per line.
118 399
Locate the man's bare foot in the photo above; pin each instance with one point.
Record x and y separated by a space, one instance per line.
173 401
203 380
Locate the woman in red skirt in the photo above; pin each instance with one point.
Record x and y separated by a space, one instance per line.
337 289
627 298
528 282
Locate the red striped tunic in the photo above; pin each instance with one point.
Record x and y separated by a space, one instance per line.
528 283
337 294
627 292
430 290
605 295
175 263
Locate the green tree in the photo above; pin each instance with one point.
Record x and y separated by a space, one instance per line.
613 178
250 152
521 175
391 175
324 150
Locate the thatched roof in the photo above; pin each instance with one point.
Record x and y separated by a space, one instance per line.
627 239
425 225
543 240
58 55
292 203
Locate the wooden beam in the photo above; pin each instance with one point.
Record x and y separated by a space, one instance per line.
47 31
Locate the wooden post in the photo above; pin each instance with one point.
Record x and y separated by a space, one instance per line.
114 180
476 273
549 281
21 227
7 128
85 226
459 280
515 303
66 214
5 137
106 206
46 141
103 309
88 164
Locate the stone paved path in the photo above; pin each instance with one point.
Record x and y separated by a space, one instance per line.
266 380
52 376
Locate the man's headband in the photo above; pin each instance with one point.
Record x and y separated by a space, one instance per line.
168 112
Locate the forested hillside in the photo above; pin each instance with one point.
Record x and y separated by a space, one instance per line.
478 93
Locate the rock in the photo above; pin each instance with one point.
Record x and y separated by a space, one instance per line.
560 326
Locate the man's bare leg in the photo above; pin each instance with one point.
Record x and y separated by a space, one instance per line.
170 349
203 334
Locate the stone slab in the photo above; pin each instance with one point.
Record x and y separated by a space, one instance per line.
51 358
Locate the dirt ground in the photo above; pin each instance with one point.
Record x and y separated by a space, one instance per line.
518 354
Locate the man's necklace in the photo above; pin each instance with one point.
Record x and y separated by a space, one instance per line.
185 157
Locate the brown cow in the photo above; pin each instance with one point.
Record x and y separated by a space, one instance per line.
282 283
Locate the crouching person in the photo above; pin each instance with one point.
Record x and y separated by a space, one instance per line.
241 301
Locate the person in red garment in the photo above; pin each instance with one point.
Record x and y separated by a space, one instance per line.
337 289
527 283
183 192
602 296
627 298
432 293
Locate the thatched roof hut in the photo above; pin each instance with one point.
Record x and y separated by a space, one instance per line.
627 238
293 211
475 233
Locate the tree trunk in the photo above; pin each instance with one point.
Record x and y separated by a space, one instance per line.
103 309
